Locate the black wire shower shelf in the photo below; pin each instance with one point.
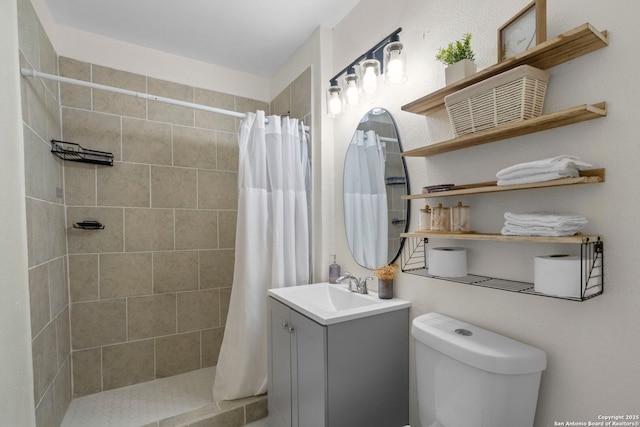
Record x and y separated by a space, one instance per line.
76 153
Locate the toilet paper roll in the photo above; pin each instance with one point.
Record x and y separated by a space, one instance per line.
558 275
448 262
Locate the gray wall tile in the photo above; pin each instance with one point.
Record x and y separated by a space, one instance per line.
196 229
144 141
173 187
205 119
217 190
211 343
83 277
198 310
126 364
110 239
87 372
175 271
152 316
58 289
169 113
39 298
98 323
227 145
194 148
123 275
92 130
124 184
74 95
149 230
177 354
114 103
80 184
216 268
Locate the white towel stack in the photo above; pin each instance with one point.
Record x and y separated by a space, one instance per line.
542 224
542 170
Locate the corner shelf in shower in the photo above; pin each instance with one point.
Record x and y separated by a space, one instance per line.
76 153
591 284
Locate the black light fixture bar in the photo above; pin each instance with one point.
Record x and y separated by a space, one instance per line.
375 52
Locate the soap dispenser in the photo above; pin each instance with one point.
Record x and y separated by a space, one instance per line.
334 271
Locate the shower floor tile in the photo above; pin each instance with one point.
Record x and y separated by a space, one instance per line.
145 403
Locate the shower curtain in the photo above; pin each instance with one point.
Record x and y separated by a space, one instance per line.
365 199
272 246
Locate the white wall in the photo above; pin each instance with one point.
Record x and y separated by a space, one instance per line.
312 53
108 52
592 346
16 393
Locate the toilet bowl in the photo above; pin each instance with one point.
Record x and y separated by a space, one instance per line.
471 377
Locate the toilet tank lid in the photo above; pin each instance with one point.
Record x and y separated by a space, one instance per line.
481 349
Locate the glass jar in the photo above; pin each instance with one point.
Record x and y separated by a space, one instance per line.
425 218
440 218
460 218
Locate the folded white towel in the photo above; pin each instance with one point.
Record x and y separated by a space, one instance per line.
544 219
542 224
539 177
564 165
538 231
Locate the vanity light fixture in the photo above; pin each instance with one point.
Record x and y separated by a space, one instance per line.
395 62
370 75
351 88
366 82
334 99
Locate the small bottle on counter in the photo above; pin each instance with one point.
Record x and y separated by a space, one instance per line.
425 218
334 271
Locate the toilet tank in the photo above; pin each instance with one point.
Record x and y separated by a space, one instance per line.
469 376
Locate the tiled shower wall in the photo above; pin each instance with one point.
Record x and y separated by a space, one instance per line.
47 249
150 292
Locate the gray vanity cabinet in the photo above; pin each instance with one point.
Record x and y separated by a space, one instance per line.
353 373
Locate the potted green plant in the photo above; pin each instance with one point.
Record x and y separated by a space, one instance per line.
459 57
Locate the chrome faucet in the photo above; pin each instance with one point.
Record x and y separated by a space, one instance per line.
360 284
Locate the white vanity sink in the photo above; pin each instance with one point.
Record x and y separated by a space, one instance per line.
328 303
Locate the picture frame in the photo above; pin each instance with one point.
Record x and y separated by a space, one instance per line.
525 30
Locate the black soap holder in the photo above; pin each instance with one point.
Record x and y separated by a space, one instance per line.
89 225
75 152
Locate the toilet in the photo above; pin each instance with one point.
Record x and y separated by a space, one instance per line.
471 377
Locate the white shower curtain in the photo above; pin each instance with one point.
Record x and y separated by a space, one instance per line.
365 200
272 247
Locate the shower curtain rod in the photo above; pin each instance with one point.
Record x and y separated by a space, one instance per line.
33 73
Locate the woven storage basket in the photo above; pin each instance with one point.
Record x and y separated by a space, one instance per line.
512 96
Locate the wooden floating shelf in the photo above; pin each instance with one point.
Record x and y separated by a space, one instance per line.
566 117
578 238
563 48
591 176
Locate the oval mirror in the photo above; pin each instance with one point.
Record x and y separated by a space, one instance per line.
375 178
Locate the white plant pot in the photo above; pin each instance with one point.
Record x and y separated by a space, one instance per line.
459 71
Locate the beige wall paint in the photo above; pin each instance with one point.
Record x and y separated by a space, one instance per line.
592 357
16 371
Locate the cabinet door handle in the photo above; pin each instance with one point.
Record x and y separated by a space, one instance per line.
286 326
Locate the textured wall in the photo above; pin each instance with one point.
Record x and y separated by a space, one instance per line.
150 292
592 368
46 239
